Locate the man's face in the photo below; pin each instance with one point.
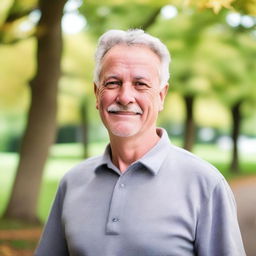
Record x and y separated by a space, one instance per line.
129 96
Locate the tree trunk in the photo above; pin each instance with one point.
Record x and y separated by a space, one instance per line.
236 119
189 134
41 124
84 125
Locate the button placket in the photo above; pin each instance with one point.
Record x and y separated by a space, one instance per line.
117 206
122 185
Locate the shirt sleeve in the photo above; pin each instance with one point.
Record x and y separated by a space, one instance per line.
53 242
218 232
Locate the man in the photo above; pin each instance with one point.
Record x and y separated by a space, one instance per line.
144 196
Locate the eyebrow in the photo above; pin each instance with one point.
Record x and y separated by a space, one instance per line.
118 78
111 77
141 78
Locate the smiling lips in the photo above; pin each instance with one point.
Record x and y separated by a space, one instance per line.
119 109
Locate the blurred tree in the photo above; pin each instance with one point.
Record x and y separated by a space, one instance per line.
186 33
226 60
84 109
76 86
238 71
184 38
242 6
40 130
14 75
101 16
5 6
210 59
14 22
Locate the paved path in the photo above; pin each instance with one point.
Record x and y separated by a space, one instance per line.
245 194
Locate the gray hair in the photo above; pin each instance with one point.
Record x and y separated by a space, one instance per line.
132 37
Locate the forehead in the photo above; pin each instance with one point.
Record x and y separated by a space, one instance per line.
121 50
137 58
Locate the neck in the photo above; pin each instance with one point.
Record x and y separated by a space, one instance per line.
126 150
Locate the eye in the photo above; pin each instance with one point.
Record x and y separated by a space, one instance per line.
112 84
141 85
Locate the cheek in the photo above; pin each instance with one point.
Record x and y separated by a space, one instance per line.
105 98
152 100
158 103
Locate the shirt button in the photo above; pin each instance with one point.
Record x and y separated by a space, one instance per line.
115 219
122 185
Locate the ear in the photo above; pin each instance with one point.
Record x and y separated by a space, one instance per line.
162 95
96 92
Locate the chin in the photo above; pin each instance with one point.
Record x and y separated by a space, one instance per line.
123 132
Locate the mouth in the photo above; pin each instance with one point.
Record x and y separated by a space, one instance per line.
128 113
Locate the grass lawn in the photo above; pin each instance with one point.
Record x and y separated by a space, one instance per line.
65 156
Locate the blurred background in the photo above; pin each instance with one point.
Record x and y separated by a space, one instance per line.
48 120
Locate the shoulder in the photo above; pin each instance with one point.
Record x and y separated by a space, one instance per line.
81 172
192 163
191 169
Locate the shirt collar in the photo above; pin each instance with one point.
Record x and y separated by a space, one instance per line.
152 160
106 160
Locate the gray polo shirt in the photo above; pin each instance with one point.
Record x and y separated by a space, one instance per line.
168 203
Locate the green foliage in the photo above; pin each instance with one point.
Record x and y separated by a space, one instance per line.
103 17
243 6
23 244
247 7
5 6
7 173
76 82
7 224
48 192
23 6
236 66
209 60
133 2
13 17
78 54
17 67
249 123
185 39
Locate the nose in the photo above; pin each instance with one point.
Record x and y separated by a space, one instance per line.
125 95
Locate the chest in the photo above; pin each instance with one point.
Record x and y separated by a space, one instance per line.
121 217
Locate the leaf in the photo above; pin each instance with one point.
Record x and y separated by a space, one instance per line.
242 6
217 5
